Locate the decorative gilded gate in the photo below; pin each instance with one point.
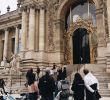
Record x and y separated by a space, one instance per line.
91 30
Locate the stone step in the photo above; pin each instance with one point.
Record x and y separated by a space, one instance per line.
103 85
99 70
104 92
101 74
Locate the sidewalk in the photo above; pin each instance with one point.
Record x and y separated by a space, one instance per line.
103 98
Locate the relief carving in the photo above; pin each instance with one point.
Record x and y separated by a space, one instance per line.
80 23
50 37
51 10
67 53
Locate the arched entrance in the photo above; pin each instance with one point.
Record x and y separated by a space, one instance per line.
79 45
81 48
84 23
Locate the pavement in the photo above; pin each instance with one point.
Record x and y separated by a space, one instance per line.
70 98
103 98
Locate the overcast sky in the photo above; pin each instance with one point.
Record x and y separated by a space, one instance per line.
5 3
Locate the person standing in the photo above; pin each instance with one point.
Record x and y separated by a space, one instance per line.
78 87
63 89
32 85
64 73
46 86
38 72
92 86
60 75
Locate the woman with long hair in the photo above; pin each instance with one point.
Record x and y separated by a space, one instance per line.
78 87
32 85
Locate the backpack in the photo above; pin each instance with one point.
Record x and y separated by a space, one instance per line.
65 90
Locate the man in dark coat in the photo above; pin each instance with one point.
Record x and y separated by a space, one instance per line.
46 86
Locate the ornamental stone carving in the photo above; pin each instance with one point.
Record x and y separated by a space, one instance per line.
80 23
50 37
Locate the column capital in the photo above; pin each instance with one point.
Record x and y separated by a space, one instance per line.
32 6
6 29
24 8
17 26
42 6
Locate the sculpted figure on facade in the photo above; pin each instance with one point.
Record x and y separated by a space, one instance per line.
15 63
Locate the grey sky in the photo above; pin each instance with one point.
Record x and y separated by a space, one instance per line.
5 3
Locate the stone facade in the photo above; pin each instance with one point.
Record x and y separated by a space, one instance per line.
37 30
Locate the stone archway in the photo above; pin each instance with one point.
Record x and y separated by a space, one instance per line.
67 3
60 21
80 23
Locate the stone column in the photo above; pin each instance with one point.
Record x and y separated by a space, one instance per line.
108 44
101 49
16 39
32 29
24 30
41 29
37 30
108 13
1 49
5 51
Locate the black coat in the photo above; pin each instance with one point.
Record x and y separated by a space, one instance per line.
78 89
93 96
46 85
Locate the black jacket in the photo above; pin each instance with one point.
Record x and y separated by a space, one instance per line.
46 85
78 89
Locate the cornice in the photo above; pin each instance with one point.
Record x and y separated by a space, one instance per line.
10 24
10 16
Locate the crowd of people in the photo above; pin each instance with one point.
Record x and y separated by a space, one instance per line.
45 86
54 85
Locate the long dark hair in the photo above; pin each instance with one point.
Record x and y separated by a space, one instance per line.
30 77
77 79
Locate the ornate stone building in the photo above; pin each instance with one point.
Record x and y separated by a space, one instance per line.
44 32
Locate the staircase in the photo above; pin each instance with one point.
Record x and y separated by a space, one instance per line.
99 70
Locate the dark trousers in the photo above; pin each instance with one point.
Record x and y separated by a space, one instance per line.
33 96
92 96
46 97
